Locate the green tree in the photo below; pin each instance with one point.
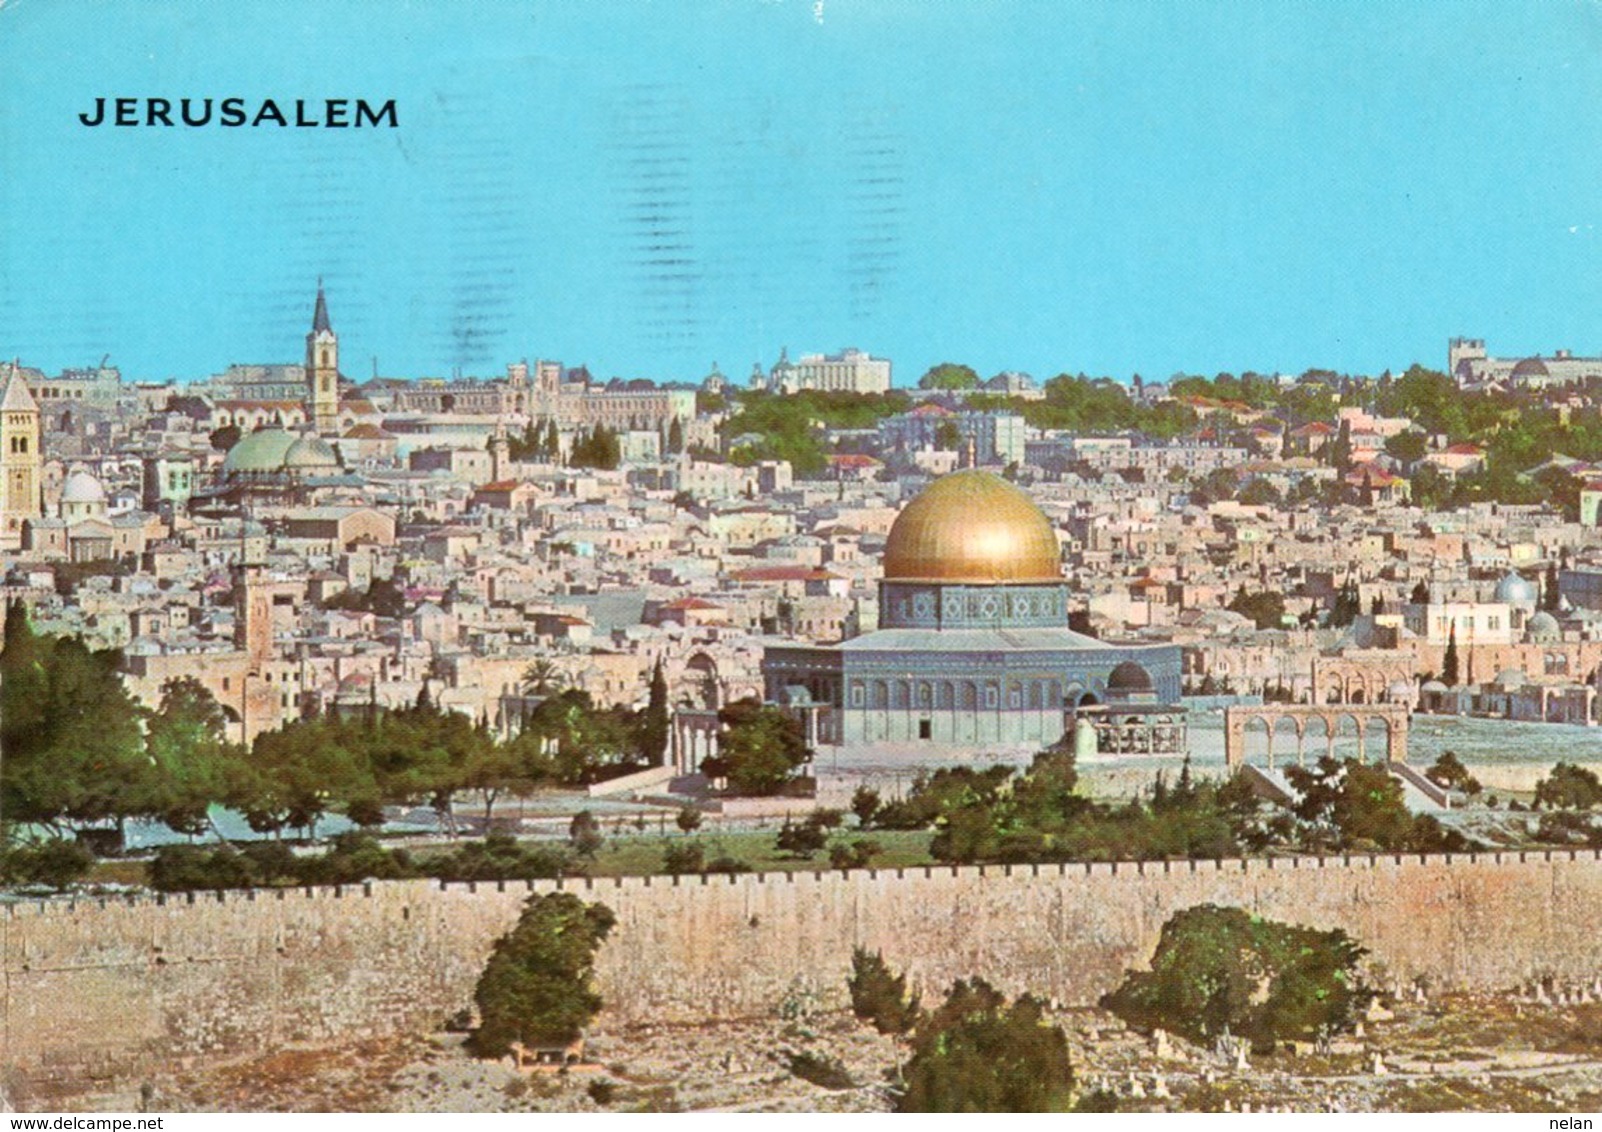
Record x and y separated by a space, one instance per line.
1265 608
71 733
1218 969
1407 447
976 1053
537 988
950 376
655 725
185 738
688 819
1569 787
1358 806
759 747
584 834
1448 770
1449 671
865 804
879 996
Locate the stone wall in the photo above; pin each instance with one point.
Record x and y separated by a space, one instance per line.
96 993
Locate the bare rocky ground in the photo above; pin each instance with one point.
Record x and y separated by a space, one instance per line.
1457 1053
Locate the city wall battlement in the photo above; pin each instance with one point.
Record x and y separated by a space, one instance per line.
99 993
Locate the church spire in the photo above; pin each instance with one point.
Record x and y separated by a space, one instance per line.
320 315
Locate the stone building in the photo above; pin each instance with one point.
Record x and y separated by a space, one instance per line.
21 497
973 653
849 371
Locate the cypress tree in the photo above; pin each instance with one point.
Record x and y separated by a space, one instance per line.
654 728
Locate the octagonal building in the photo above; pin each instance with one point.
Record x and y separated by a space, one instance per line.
973 652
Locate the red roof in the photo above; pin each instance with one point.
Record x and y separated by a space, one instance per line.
691 603
931 411
783 574
851 460
1466 450
500 485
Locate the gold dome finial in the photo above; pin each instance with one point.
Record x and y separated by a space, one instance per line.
972 526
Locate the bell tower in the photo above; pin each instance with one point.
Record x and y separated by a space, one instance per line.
21 497
322 368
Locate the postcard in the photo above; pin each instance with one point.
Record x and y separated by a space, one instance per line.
825 556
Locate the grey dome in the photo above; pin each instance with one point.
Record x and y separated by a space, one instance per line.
1543 627
1516 591
262 451
310 453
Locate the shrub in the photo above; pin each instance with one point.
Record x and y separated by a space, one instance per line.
821 1070
855 855
187 868
978 1054
536 988
878 996
500 857
272 862
800 840
865 804
55 863
729 865
689 819
1220 968
584 832
683 858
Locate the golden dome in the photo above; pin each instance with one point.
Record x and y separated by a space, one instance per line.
972 526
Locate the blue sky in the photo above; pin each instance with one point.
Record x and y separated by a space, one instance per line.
649 187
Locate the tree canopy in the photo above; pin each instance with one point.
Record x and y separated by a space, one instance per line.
538 986
1223 969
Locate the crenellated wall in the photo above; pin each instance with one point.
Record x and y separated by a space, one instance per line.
97 993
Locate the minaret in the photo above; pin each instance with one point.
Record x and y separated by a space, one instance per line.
322 368
21 496
253 602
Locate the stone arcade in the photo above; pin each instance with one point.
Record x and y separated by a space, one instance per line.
973 653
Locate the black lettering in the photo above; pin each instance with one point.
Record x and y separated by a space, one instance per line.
300 114
127 111
269 109
385 111
232 112
183 108
100 114
336 113
158 110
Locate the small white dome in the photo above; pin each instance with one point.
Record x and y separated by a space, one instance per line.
81 487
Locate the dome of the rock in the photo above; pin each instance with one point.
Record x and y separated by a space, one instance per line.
974 527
